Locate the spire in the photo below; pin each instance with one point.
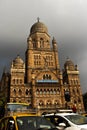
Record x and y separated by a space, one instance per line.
54 44
38 19
54 41
67 58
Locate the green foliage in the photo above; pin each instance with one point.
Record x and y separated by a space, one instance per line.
2 107
2 102
85 101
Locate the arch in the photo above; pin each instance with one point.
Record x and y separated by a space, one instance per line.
47 76
34 43
41 43
73 91
17 81
13 81
14 100
21 81
44 91
41 91
20 92
75 101
27 91
56 102
51 91
77 91
54 92
14 92
41 103
79 100
48 103
58 90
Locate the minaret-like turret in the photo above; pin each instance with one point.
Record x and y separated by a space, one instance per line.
54 44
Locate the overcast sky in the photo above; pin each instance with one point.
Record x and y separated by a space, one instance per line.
66 20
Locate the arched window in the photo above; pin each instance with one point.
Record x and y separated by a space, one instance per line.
41 91
14 100
58 91
48 91
75 101
14 92
34 43
73 91
49 103
43 76
47 76
51 91
20 92
54 92
77 91
56 102
37 92
41 43
79 100
41 103
13 81
17 81
44 92
26 91
20 81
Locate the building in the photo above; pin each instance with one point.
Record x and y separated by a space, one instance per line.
39 80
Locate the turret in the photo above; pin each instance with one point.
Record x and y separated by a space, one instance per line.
54 43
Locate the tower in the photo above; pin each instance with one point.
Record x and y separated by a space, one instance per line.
17 80
42 60
39 53
72 85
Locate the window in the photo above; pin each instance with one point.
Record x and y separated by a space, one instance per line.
14 92
20 81
41 43
20 92
26 91
11 124
13 81
34 44
46 76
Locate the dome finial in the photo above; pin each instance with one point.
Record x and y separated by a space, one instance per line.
38 19
67 58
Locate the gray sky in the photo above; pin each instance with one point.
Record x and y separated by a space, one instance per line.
66 20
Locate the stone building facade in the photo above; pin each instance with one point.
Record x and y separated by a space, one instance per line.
39 81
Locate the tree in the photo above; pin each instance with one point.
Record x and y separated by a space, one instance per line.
85 100
2 107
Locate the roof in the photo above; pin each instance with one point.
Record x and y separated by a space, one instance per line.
21 112
61 114
38 27
68 62
18 60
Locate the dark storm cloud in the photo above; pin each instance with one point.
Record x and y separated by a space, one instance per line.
66 21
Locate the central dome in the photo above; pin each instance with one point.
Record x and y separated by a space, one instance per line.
38 27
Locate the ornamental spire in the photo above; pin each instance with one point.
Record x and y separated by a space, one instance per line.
38 19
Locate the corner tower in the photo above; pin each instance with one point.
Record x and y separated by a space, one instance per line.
72 84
